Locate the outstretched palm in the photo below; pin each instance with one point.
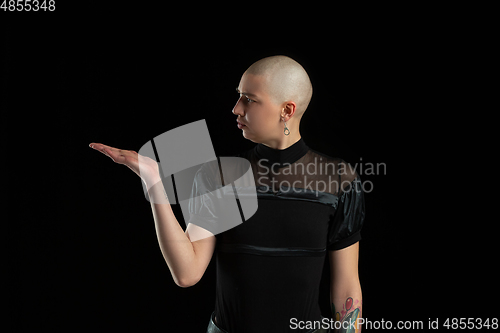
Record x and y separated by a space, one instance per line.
143 166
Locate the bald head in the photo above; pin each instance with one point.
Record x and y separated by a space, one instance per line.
286 80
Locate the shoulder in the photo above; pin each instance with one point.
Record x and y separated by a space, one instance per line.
333 165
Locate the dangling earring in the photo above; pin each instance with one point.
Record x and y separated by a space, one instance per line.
286 130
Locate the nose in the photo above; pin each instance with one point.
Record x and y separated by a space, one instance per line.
238 108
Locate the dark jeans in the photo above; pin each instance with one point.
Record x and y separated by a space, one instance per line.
213 328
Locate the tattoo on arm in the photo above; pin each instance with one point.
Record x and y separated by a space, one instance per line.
348 316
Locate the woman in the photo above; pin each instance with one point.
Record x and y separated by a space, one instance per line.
309 205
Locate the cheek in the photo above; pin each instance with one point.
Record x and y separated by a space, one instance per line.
263 118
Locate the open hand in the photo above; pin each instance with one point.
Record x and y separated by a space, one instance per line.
144 167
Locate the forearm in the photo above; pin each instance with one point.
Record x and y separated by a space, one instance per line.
346 303
175 245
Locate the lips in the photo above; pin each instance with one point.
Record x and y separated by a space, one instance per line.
240 123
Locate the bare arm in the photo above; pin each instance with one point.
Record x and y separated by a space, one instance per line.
345 289
186 260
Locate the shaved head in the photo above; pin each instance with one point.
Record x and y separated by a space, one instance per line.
285 79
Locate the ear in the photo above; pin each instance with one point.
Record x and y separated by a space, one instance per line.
288 110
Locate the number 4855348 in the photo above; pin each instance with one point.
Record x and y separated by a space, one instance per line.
28 5
471 323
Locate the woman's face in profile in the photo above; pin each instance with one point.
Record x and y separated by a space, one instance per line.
256 109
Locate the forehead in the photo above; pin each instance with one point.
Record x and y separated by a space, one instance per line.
253 84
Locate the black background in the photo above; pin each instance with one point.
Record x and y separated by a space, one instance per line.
82 248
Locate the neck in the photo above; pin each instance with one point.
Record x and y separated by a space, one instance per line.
283 142
281 157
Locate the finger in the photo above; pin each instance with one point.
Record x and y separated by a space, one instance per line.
115 155
101 147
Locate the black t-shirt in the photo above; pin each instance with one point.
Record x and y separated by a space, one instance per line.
269 267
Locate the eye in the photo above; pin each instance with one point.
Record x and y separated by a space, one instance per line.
248 100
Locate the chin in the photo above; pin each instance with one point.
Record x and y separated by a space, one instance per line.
247 136
252 138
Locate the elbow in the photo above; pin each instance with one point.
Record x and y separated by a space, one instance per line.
186 282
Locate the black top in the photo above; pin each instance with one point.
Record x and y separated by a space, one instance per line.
269 267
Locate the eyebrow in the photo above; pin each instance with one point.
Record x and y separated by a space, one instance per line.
244 93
